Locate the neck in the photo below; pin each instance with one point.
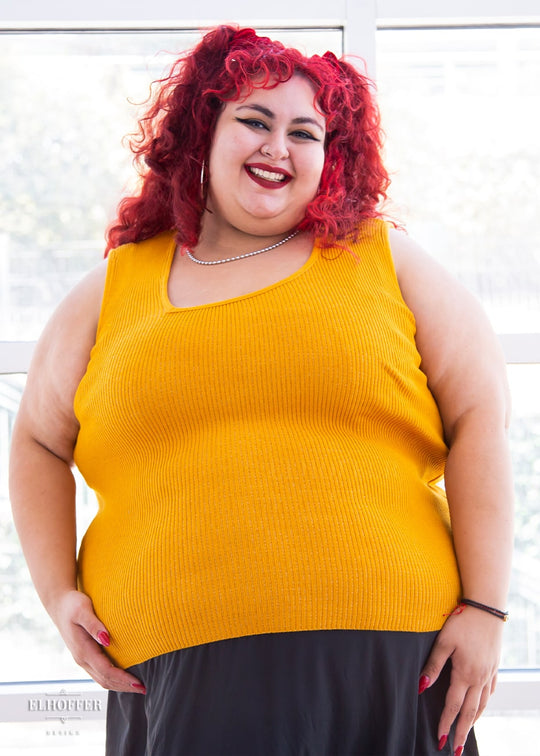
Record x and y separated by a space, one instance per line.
242 256
216 243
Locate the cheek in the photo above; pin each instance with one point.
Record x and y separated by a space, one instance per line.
313 169
227 165
224 151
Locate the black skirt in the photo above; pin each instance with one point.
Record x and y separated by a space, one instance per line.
320 693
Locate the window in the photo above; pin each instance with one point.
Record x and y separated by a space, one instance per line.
460 102
67 101
66 169
461 109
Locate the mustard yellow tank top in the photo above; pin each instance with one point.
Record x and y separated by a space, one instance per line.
263 464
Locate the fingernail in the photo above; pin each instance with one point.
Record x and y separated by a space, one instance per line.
423 684
442 742
103 638
458 751
139 686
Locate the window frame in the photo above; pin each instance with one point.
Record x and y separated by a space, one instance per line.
359 20
515 691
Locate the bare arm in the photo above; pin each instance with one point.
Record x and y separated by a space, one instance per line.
42 486
465 368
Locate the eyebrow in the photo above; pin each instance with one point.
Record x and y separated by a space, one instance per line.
269 114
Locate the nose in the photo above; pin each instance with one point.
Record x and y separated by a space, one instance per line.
275 148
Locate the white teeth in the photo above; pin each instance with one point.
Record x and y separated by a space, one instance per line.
267 175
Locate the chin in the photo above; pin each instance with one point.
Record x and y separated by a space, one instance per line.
281 219
271 225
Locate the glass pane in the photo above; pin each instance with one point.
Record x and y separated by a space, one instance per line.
65 165
461 110
30 646
522 634
507 734
66 102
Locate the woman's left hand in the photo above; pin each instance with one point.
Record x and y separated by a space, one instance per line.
472 641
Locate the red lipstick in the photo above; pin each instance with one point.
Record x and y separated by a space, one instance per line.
254 170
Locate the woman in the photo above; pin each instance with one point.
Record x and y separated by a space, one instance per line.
264 384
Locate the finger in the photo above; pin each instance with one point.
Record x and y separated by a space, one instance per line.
486 693
88 620
88 655
440 653
455 696
466 715
114 678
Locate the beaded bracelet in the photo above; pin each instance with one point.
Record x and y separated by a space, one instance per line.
489 609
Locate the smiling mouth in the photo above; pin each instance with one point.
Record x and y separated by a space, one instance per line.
268 178
277 177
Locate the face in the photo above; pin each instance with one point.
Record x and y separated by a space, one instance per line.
266 159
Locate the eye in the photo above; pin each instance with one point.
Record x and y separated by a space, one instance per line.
301 134
254 123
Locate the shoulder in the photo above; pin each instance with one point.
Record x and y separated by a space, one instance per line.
369 242
75 320
428 288
60 360
141 249
461 355
135 261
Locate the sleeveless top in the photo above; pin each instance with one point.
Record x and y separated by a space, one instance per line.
268 463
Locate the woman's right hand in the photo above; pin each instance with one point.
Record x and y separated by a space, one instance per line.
86 636
42 487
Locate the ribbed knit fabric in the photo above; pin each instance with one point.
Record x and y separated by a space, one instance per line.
263 464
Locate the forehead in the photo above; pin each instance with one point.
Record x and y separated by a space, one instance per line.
297 93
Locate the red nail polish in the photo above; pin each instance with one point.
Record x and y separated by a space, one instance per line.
103 638
423 684
139 686
442 742
458 751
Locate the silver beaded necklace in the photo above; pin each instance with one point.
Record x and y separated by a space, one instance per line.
239 257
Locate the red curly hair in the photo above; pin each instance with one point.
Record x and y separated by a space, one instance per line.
175 135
